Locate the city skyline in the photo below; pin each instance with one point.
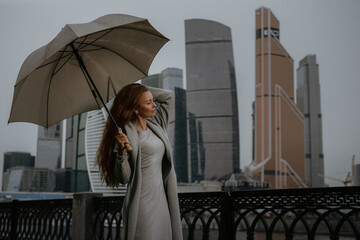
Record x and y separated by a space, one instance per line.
325 28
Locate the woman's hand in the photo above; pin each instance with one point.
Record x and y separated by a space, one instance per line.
122 140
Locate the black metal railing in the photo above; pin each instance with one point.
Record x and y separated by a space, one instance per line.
107 218
325 213
36 219
310 213
317 213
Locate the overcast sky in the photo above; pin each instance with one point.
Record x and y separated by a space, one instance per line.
328 28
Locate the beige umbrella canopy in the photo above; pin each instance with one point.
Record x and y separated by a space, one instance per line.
83 67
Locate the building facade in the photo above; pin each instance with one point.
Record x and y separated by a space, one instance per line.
172 78
75 158
16 159
211 98
49 147
279 153
308 101
179 137
29 179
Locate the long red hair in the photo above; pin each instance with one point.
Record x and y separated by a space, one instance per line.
125 102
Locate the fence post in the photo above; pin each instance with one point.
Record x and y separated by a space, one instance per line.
227 231
82 215
14 219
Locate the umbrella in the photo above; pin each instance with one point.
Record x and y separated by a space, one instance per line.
83 67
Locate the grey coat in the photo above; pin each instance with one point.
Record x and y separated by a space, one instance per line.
127 167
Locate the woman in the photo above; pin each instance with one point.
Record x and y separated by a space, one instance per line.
151 208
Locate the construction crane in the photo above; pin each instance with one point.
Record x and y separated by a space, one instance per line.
349 178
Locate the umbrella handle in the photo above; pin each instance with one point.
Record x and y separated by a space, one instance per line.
128 147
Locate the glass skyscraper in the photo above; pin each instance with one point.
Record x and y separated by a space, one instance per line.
49 147
75 159
308 101
211 96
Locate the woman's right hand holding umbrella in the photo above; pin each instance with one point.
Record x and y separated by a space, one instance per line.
123 141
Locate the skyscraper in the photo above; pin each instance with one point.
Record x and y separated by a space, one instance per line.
308 101
211 100
75 158
49 147
179 137
279 124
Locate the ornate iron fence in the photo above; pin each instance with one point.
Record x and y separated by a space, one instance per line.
317 213
107 217
5 220
36 219
272 214
311 212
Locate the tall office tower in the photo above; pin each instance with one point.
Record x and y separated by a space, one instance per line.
179 137
49 147
75 153
308 101
279 124
211 100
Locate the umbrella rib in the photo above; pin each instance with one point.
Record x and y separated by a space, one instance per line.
148 32
55 72
85 75
48 91
82 46
70 53
56 60
101 47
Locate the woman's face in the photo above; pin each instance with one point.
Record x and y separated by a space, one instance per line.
147 106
